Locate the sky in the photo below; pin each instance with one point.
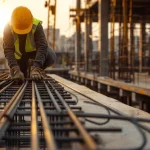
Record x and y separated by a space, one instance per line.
39 11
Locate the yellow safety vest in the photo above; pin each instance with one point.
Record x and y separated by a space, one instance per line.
30 43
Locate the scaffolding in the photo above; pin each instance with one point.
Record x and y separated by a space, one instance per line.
129 51
128 38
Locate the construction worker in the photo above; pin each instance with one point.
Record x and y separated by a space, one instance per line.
24 40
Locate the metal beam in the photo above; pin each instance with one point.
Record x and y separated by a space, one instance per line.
46 126
91 145
141 44
88 40
34 125
103 16
48 21
78 38
54 28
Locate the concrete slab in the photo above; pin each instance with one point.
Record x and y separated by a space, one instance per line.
115 104
129 138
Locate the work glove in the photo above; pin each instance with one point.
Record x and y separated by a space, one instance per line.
16 73
36 73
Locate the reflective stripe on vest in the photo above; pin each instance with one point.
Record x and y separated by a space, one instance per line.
30 42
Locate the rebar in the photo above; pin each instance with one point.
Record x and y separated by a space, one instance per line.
41 115
34 125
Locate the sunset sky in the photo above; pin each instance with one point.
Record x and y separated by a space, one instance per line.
38 11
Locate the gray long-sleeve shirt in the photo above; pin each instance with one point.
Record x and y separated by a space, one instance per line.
9 48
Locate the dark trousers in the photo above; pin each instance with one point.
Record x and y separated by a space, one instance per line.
24 61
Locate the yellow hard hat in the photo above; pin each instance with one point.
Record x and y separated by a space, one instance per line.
21 20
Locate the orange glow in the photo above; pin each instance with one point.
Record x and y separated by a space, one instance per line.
4 17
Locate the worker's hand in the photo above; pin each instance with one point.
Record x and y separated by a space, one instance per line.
17 74
36 73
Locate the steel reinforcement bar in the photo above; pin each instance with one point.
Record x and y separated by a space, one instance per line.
42 114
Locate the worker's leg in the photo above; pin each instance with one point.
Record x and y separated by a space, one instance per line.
50 59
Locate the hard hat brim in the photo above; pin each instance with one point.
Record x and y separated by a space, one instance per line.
25 31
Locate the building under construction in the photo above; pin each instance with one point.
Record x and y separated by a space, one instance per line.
120 67
103 103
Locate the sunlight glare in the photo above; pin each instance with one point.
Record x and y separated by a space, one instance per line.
4 17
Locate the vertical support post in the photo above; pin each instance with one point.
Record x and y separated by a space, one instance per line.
112 40
88 39
103 16
120 42
85 43
141 48
131 35
89 48
78 37
48 20
131 49
54 28
125 37
120 48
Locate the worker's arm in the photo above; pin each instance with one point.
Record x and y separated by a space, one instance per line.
9 49
8 46
41 45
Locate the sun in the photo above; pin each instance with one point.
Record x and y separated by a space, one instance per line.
4 18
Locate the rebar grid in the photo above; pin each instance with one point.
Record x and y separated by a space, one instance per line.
43 115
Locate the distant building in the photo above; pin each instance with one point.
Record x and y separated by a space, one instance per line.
62 43
57 36
70 43
95 46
